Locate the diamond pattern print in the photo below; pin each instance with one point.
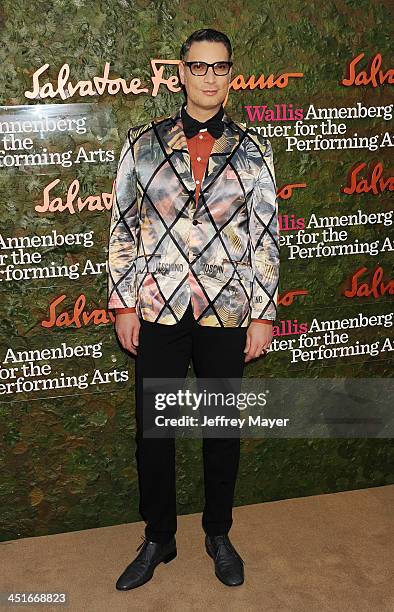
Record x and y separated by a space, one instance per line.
164 250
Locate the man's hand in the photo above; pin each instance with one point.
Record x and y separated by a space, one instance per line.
127 326
258 338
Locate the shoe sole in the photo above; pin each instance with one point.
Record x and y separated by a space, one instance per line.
165 559
217 575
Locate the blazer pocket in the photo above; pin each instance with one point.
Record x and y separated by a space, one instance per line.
157 264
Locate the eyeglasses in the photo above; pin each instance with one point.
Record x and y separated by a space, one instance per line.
201 68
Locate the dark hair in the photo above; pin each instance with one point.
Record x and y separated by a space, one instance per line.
209 35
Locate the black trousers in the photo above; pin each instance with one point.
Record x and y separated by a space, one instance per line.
165 351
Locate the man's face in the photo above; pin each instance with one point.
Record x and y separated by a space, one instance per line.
210 90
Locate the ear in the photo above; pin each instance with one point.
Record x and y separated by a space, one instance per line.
181 70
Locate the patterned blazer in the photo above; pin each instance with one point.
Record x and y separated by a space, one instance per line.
164 249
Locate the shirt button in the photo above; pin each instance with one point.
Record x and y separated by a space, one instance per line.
197 182
201 136
198 158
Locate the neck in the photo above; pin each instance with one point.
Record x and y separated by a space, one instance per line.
201 114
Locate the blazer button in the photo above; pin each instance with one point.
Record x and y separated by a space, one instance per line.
195 222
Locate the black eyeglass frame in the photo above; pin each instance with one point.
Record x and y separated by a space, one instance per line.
229 64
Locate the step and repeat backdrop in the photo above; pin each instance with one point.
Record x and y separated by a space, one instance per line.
316 79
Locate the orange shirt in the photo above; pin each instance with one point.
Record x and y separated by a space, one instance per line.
200 147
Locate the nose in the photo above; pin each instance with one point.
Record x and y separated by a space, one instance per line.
210 75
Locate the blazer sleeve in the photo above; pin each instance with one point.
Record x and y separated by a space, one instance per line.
124 232
264 233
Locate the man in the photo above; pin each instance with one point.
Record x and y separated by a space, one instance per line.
193 276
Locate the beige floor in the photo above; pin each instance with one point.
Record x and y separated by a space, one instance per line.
311 554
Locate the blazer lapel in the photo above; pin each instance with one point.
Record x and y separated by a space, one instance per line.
173 139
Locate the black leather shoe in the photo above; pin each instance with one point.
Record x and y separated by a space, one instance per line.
142 568
229 566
